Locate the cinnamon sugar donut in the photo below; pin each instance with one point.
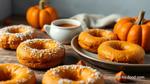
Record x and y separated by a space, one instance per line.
12 36
40 53
92 38
16 74
72 74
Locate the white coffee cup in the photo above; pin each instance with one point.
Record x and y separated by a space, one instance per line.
63 34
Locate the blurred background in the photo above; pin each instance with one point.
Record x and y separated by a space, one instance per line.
68 8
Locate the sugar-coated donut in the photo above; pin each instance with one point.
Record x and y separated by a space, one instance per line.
12 36
16 74
92 38
72 74
121 51
40 53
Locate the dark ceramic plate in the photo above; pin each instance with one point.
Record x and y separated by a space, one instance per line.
93 59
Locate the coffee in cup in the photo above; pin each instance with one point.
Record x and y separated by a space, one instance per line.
63 30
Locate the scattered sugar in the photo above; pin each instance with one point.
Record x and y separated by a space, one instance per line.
90 81
20 81
29 71
55 71
63 81
81 82
60 81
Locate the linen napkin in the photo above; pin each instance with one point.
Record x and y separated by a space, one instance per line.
95 20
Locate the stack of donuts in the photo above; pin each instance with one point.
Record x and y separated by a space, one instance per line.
37 53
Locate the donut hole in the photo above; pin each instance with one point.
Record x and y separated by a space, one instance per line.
4 76
16 30
42 45
70 76
38 46
118 47
96 34
75 75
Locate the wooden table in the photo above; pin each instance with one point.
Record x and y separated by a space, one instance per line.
9 56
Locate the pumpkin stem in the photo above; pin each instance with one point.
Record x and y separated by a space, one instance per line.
140 17
41 4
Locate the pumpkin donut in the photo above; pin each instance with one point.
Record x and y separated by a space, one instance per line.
12 36
92 38
121 51
16 74
72 74
40 53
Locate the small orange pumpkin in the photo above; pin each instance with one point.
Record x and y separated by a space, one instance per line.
41 14
135 30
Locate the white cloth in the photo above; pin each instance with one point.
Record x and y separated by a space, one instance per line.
96 21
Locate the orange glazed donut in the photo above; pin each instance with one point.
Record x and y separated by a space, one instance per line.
92 38
16 74
12 36
121 51
72 74
40 53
